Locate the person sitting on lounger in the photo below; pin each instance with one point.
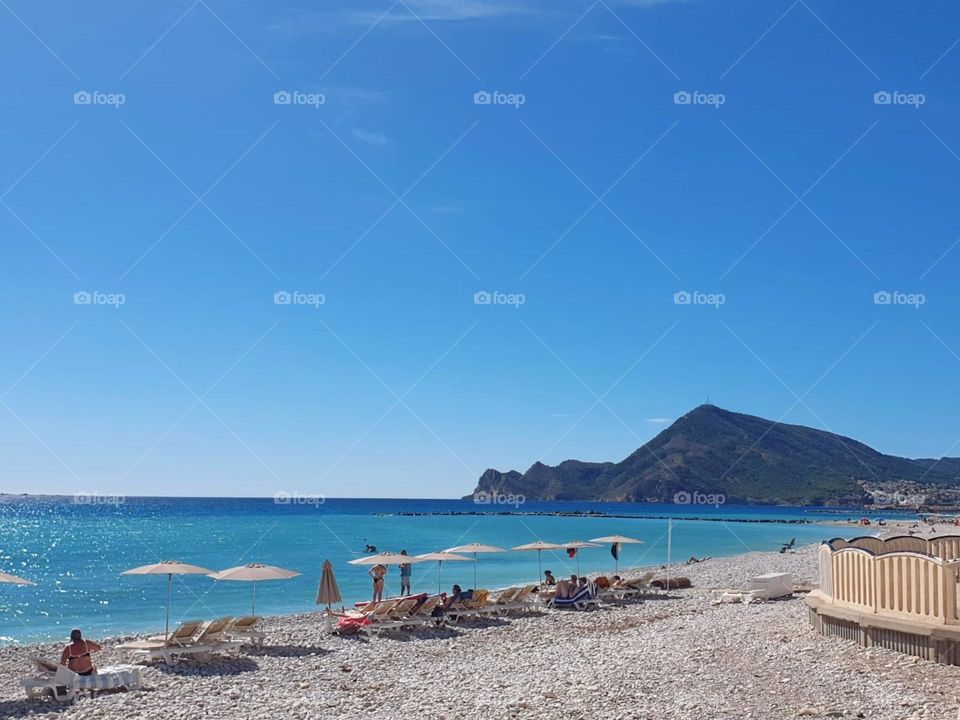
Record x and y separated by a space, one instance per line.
76 656
566 588
456 595
548 578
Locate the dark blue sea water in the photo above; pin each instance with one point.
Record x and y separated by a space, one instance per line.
75 551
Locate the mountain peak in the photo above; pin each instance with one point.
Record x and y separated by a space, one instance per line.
746 458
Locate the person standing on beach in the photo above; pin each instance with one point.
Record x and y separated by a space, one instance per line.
76 656
377 572
406 572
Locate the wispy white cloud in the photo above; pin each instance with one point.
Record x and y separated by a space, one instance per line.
383 12
377 139
659 421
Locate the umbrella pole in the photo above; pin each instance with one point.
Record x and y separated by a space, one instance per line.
166 632
439 571
578 564
253 610
474 571
539 565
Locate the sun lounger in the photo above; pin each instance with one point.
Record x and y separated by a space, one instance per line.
182 635
581 600
244 628
762 587
381 617
497 605
520 600
64 685
423 614
473 607
212 639
625 589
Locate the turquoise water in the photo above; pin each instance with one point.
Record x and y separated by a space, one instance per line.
76 552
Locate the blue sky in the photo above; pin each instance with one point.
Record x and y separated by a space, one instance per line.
587 189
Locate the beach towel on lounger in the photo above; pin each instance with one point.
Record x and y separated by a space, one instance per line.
581 595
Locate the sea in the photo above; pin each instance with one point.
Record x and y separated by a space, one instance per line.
75 549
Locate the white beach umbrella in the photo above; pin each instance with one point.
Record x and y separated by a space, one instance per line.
475 548
617 540
578 545
328 592
14 580
386 558
168 568
254 572
539 546
440 557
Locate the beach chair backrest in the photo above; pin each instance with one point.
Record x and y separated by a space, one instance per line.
246 622
403 607
42 665
429 605
384 608
185 632
643 580
214 630
508 595
526 592
479 599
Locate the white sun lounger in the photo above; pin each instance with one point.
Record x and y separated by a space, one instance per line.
64 685
180 644
244 628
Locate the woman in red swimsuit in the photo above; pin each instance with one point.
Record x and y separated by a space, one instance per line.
76 655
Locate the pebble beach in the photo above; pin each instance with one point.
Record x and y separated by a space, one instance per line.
675 657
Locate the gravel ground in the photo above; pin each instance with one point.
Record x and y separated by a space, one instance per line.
679 657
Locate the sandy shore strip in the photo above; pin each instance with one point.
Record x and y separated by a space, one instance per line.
681 657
